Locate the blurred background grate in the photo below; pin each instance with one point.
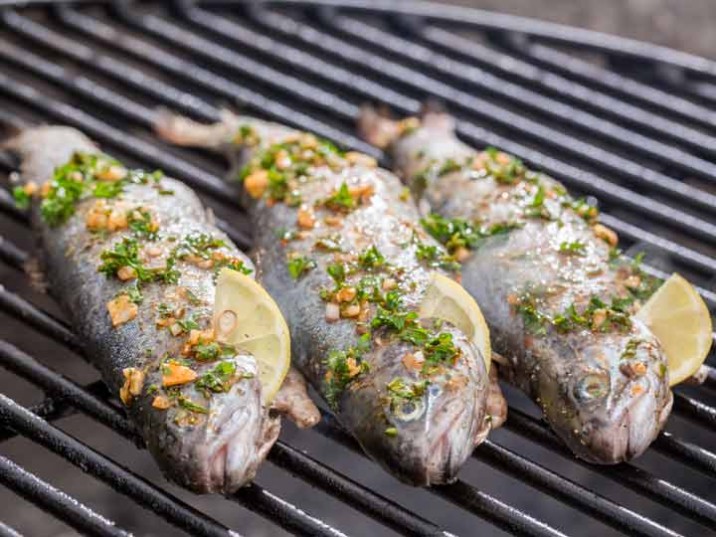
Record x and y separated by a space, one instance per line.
593 111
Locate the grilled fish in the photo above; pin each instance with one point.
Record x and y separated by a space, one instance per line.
339 248
555 292
132 257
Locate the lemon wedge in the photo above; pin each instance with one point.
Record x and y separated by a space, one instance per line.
680 320
247 317
446 299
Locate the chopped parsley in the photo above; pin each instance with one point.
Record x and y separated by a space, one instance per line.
190 405
22 198
435 256
231 263
456 233
133 293
573 247
298 265
342 367
341 200
371 259
220 378
207 352
126 254
142 224
199 245
630 349
401 390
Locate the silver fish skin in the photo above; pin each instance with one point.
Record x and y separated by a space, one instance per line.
216 450
424 440
605 392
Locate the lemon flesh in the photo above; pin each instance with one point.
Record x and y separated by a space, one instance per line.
680 320
247 317
447 300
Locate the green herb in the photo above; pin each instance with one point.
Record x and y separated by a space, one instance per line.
133 293
190 405
371 259
449 166
400 389
126 254
199 245
341 200
588 212
188 324
220 378
391 431
140 222
630 349
300 264
574 247
440 349
231 263
337 271
164 310
534 320
213 350
436 257
457 233
342 367
22 198
536 207
192 298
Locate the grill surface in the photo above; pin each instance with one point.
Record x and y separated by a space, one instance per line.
632 124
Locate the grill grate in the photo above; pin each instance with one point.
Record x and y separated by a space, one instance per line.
312 64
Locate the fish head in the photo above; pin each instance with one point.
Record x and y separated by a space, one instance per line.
420 427
217 445
615 397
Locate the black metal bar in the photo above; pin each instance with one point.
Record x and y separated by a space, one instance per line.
8 207
694 410
169 507
418 80
56 502
540 30
65 392
460 493
695 456
567 491
569 174
53 409
628 475
663 490
96 29
531 76
357 496
7 531
11 254
63 388
596 76
184 70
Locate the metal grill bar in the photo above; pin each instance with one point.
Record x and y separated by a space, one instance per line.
485 82
167 506
81 23
570 175
7 531
583 94
625 474
76 514
307 468
340 486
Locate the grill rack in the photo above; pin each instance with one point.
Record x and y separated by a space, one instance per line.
334 34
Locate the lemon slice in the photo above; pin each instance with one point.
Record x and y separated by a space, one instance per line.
247 317
680 320
446 299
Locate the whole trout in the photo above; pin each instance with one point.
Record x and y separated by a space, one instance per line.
555 292
132 259
340 249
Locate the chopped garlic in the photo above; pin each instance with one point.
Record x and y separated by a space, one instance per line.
174 374
121 310
133 384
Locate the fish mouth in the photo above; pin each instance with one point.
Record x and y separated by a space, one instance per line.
445 456
630 435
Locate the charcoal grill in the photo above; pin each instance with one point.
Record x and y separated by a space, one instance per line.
631 124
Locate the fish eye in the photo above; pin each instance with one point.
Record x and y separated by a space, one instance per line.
591 387
409 410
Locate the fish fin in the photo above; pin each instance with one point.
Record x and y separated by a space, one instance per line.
376 127
181 130
496 403
36 274
293 401
495 408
